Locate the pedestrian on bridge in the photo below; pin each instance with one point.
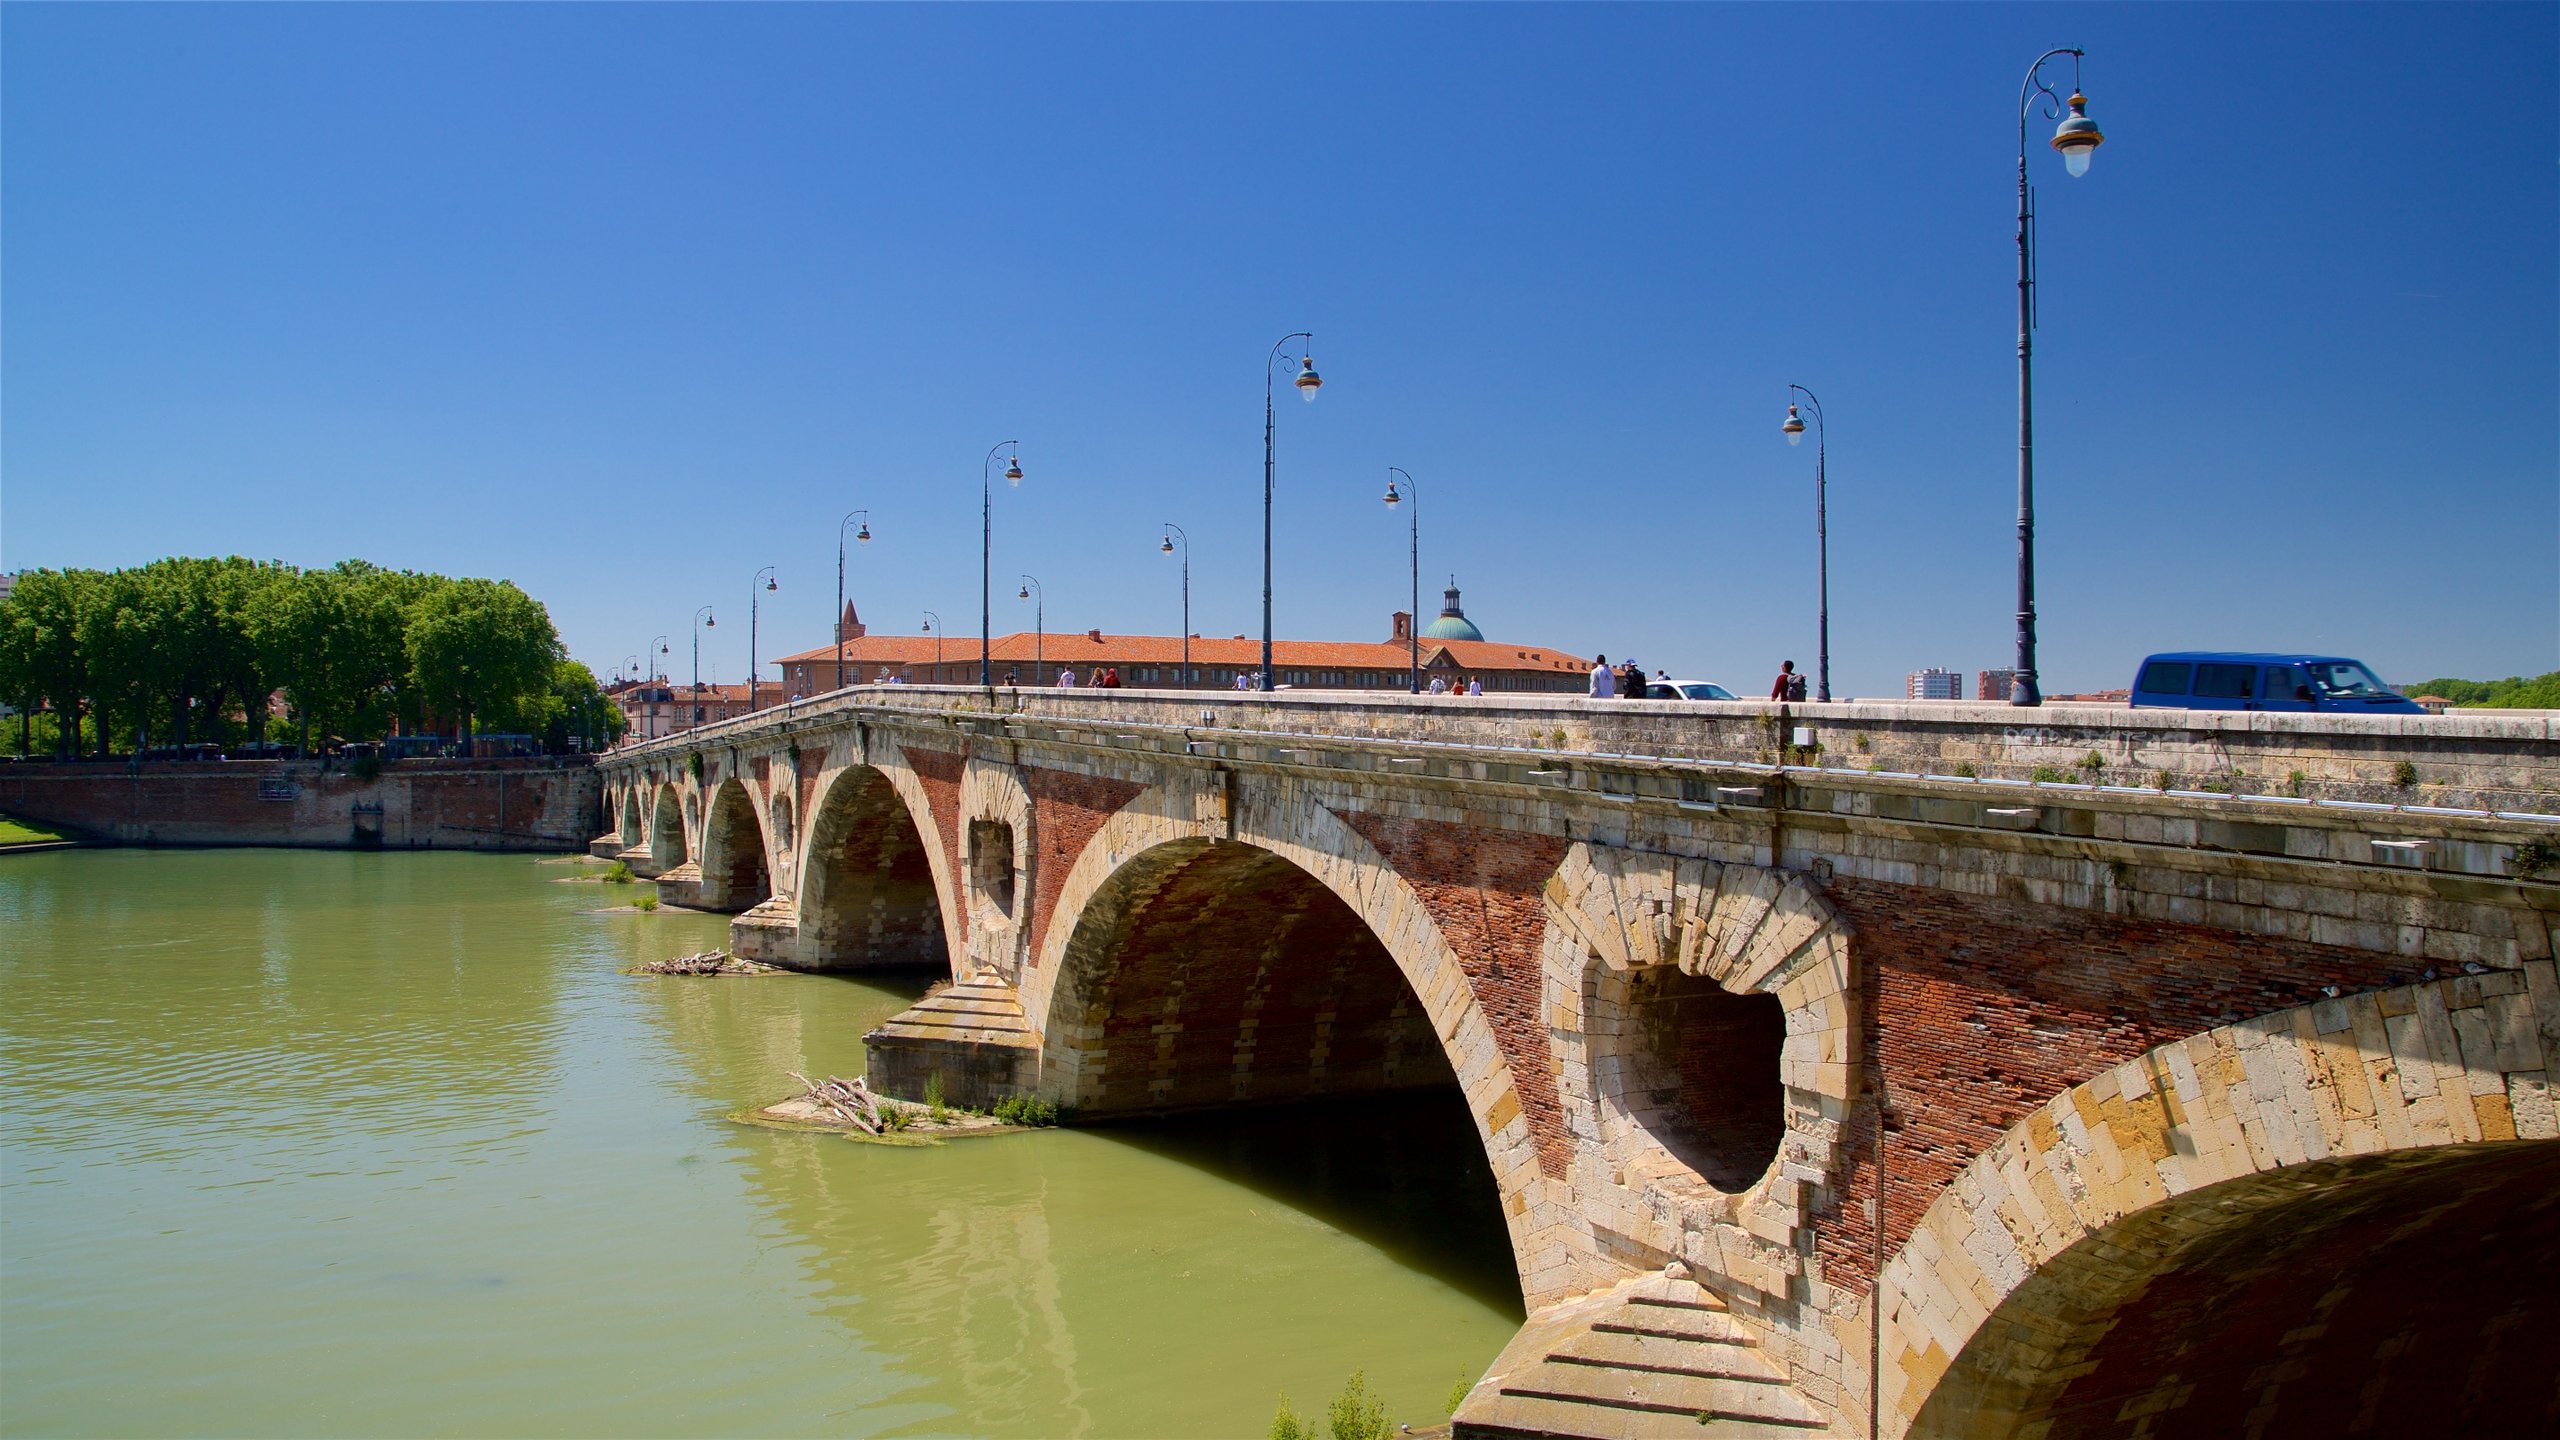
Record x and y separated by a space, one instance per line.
1789 685
1604 681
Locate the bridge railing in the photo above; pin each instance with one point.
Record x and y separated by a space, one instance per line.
2444 764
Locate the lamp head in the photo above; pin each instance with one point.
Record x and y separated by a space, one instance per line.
662 649
1392 497
708 621
2077 137
1013 471
928 624
1022 594
863 535
1167 546
1794 427
772 585
1309 382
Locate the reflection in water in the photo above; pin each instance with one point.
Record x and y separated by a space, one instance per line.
306 1143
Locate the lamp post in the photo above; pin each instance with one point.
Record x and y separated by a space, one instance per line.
1039 599
769 584
1308 383
862 536
1794 428
2077 138
703 620
648 669
986 545
1413 540
1171 530
933 627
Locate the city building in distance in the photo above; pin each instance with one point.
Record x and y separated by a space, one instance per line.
1936 685
1453 650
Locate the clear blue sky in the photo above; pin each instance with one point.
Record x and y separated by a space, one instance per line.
624 302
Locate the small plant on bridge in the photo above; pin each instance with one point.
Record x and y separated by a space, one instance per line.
2403 775
939 1112
693 765
1965 769
2093 762
2533 857
2162 780
2051 775
617 873
2294 783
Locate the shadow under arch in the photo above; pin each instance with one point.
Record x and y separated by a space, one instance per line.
666 829
734 873
2400 1293
867 893
1206 975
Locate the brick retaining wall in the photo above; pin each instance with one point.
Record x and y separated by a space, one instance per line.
545 804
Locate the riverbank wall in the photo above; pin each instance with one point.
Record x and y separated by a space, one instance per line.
547 803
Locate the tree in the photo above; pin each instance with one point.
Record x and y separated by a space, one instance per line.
41 659
478 645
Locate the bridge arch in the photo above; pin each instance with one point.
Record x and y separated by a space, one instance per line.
2342 1215
667 829
871 884
1281 959
735 874
633 827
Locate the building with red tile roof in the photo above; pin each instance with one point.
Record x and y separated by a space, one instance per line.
655 707
1155 661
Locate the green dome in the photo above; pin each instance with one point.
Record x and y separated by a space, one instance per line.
1453 623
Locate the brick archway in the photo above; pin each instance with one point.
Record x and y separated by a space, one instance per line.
874 890
668 847
632 827
735 873
1334 878
2022 1294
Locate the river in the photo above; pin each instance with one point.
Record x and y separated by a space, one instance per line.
326 1143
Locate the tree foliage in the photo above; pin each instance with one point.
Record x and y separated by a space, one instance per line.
187 649
2516 692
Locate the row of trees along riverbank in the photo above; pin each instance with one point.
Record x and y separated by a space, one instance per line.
188 651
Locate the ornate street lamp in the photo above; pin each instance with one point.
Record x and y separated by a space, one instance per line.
2077 138
703 620
1413 541
769 584
1171 530
1794 430
1039 599
862 536
1308 383
986 542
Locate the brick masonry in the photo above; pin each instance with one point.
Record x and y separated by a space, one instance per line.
1067 809
1482 887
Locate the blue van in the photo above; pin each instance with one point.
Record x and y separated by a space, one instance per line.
2214 680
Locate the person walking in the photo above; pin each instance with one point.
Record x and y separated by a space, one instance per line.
1787 683
1439 686
1066 677
1630 680
1604 681
1475 684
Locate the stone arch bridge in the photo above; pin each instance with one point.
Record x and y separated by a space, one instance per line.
1843 1070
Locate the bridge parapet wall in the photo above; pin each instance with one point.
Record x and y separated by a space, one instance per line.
2494 763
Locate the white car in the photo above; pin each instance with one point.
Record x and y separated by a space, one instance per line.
1688 690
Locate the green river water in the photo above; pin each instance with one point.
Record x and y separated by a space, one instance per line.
318 1143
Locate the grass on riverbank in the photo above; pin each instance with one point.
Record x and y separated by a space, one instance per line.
14 831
